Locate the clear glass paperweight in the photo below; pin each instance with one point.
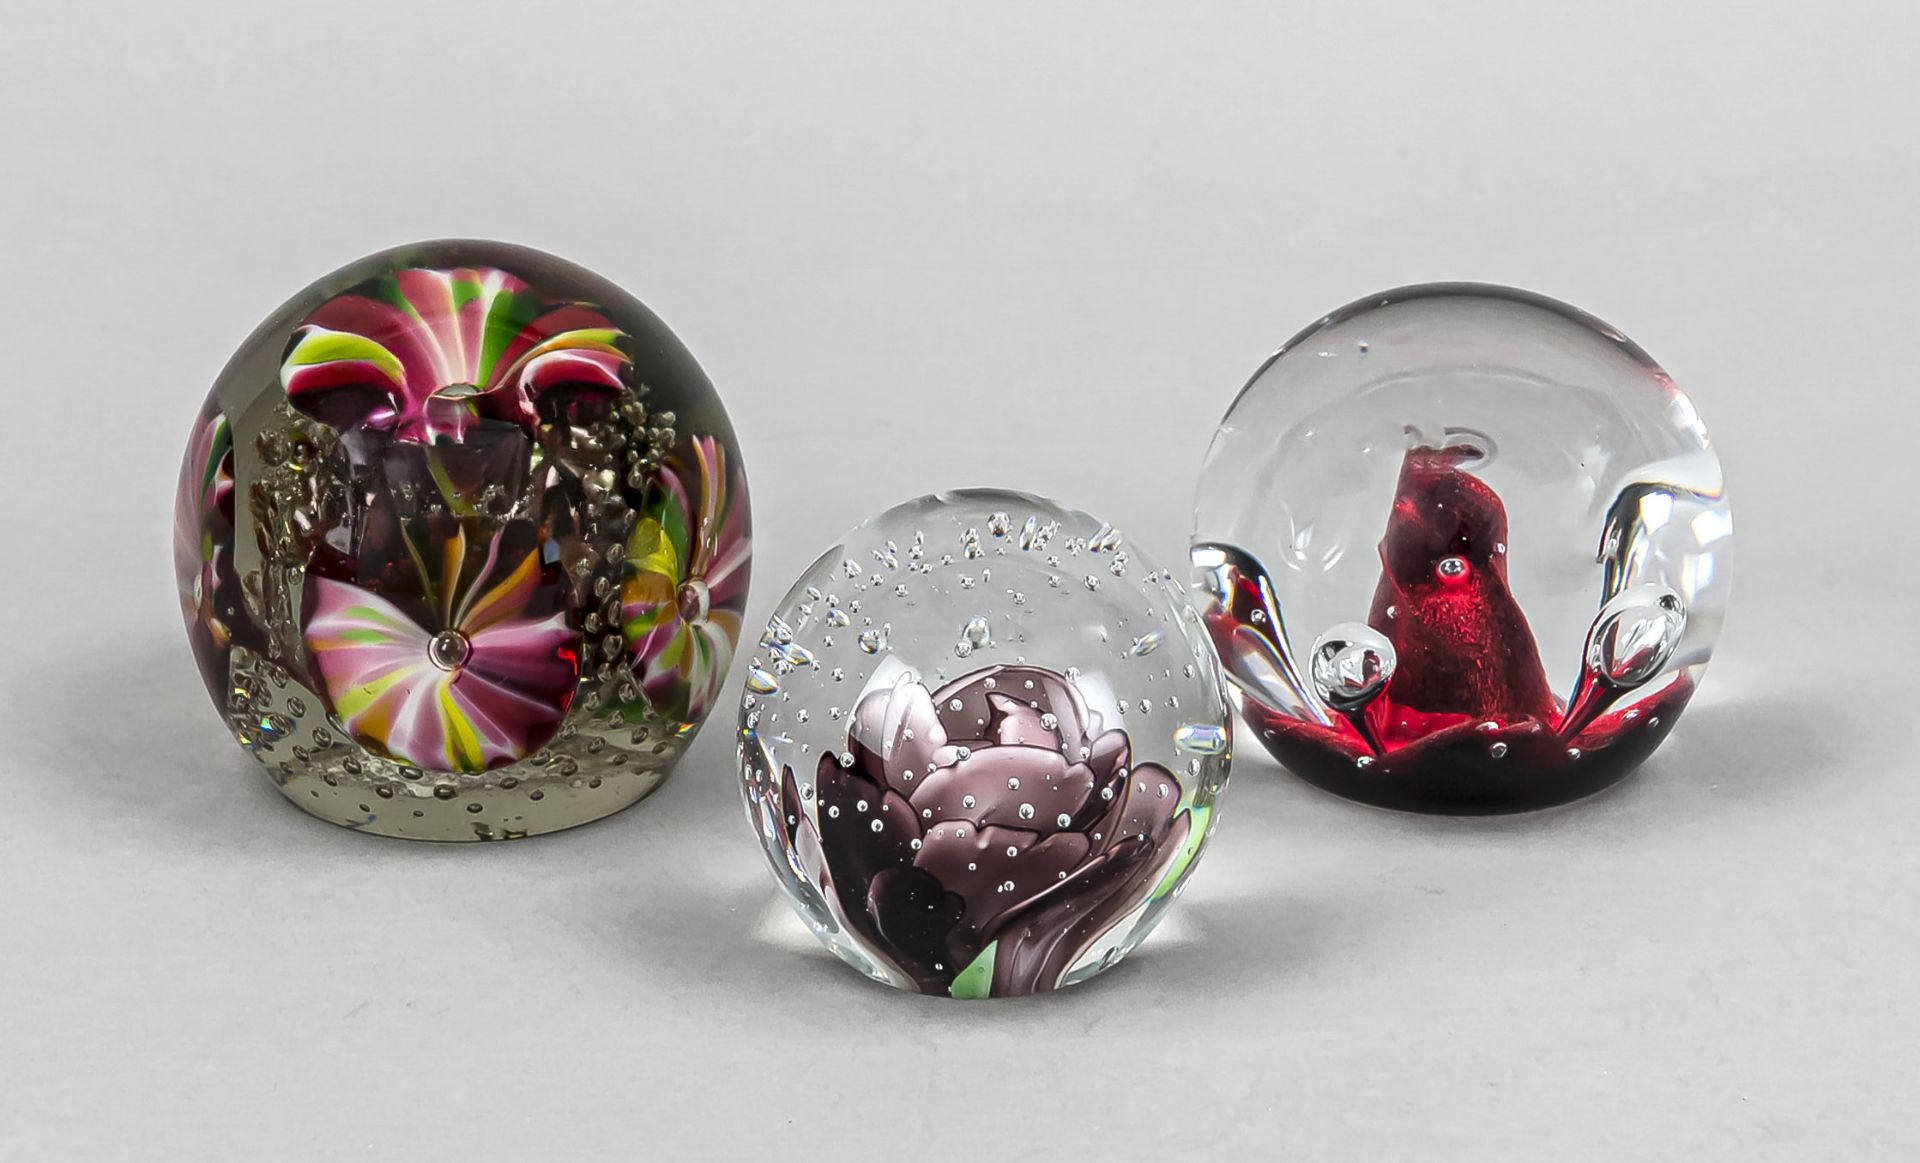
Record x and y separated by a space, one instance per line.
982 742
1462 548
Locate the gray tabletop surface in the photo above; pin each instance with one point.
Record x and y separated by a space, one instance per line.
929 246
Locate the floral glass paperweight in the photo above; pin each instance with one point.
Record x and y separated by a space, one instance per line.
462 544
1462 549
982 743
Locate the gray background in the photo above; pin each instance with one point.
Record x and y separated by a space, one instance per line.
921 247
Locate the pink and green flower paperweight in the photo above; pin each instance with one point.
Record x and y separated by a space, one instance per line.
462 543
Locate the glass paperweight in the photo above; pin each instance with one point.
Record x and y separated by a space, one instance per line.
982 742
462 544
1462 549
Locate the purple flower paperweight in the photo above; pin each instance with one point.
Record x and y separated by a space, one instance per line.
982 743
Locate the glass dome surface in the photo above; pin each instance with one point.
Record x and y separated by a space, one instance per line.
1517 503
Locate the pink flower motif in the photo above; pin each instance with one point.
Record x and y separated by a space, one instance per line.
486 683
426 354
686 582
206 484
210 601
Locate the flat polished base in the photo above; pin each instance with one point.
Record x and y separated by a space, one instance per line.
427 811
1474 770
595 767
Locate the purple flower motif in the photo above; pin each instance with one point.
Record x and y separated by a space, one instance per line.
984 835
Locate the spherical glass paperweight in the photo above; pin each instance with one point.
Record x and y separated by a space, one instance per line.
982 742
462 544
1462 548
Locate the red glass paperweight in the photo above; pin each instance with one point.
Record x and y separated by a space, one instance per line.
1462 549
